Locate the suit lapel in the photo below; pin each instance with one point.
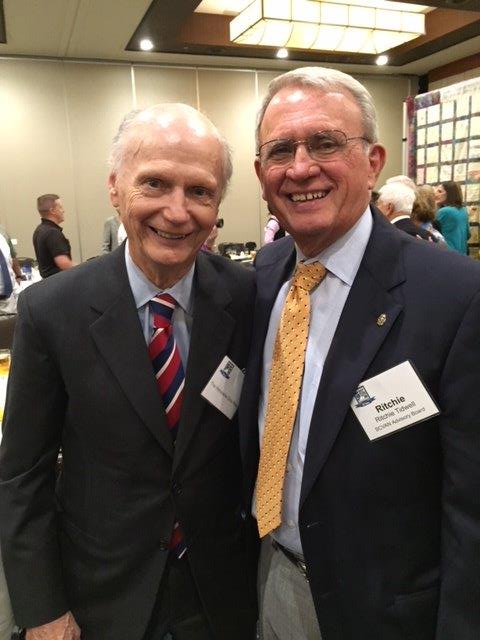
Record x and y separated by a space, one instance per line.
356 341
212 330
119 339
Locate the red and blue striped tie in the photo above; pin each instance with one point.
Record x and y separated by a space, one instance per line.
168 368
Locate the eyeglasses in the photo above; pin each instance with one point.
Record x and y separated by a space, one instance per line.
324 145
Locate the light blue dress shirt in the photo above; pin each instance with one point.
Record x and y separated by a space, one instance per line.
143 291
341 260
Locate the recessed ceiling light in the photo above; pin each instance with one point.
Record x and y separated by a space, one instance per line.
381 60
282 53
146 45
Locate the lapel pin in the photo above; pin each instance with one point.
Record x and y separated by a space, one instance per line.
382 318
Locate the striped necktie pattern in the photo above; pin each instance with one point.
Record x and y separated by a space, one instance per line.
165 357
170 376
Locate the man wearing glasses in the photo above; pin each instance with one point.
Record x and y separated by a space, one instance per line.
360 440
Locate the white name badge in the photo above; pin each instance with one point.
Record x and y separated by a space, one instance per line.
393 400
224 387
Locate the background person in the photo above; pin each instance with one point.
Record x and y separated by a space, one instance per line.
144 534
452 216
110 234
9 287
52 249
424 210
13 254
386 531
395 201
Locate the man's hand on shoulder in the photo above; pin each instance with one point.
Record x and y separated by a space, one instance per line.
64 628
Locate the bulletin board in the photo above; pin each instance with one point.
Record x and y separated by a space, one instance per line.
443 143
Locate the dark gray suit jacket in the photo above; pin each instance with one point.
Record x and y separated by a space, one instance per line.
81 378
391 528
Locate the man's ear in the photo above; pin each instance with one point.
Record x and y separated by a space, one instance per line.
259 172
377 157
112 190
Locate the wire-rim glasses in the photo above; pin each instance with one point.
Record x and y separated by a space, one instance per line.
323 145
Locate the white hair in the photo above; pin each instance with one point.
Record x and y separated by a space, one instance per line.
399 196
404 180
324 79
141 117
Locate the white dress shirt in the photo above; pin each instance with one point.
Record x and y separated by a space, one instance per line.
341 261
143 291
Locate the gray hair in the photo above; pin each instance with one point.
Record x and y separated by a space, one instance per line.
324 79
136 118
404 180
398 195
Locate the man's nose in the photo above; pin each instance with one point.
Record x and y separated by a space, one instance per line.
176 210
302 165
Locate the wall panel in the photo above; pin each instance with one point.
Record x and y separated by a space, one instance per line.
162 84
228 99
97 98
34 151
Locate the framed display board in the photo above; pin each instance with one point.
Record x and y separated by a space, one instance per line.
443 143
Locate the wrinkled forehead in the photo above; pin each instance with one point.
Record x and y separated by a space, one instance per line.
174 124
293 103
155 133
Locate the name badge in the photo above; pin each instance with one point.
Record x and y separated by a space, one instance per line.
224 387
391 401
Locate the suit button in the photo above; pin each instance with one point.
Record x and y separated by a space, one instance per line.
176 488
164 545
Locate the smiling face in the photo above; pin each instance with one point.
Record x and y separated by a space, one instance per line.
168 189
317 201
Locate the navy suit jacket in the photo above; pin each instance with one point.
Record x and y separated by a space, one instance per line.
81 378
390 529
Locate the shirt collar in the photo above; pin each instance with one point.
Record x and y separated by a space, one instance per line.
343 257
402 216
143 290
51 223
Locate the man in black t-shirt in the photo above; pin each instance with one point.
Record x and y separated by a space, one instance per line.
52 249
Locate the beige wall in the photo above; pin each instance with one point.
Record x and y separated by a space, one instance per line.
57 120
459 77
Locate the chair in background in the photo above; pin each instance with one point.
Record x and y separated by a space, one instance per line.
230 248
26 265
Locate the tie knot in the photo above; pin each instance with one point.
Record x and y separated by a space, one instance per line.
307 276
163 306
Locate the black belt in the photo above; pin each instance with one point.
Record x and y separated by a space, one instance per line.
300 564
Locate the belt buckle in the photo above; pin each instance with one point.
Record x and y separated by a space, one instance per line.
303 568
300 564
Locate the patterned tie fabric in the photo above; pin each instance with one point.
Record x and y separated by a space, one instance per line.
283 394
167 364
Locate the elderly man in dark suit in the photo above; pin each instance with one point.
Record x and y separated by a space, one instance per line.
145 536
358 407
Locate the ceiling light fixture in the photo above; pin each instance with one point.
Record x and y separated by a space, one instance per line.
373 26
282 53
381 60
146 45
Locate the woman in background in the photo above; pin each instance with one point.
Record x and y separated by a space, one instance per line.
424 210
452 216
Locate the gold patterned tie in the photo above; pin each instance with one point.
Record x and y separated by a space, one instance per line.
283 393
